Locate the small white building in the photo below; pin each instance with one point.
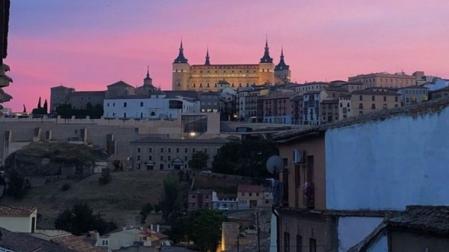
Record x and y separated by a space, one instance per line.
224 203
158 106
17 219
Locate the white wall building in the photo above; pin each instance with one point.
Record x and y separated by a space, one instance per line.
155 107
17 219
389 164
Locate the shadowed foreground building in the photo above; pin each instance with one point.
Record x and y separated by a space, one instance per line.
332 171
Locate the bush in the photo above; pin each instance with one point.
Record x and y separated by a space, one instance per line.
146 210
105 177
80 220
17 185
65 187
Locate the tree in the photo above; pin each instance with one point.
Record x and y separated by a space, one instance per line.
105 177
146 209
80 220
205 229
17 185
245 158
199 160
172 199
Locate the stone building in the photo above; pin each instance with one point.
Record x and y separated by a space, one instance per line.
374 99
205 77
413 94
157 153
387 80
277 108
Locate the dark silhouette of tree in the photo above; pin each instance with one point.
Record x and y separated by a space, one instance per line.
199 160
205 229
245 158
80 220
172 199
66 111
17 185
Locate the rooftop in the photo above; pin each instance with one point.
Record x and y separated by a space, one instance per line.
432 106
26 243
6 211
250 188
180 140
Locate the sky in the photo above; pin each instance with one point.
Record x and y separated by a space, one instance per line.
89 44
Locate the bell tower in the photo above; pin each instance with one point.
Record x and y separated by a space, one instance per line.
282 71
181 71
266 67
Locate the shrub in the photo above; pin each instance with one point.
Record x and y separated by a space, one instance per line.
105 177
80 220
65 187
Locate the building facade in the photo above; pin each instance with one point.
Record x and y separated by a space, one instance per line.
374 99
153 107
16 219
277 108
157 153
387 80
205 77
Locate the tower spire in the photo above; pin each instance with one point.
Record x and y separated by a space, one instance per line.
266 56
181 58
148 71
207 63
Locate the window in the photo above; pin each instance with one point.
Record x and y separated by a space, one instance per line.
169 150
177 150
298 243
162 158
125 104
150 150
138 150
373 98
150 158
312 245
286 242
385 98
373 106
162 150
361 98
141 104
161 166
138 158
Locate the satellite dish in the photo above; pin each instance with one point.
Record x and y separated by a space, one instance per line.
274 164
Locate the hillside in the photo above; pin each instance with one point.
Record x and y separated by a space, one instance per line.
120 200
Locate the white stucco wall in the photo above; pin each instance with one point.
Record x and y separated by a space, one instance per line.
388 164
156 107
18 224
352 230
380 245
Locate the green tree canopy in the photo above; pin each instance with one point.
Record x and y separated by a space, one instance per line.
172 199
80 220
244 158
199 160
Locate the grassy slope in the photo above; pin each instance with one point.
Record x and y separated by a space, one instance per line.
120 200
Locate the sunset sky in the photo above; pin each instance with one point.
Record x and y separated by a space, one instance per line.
88 44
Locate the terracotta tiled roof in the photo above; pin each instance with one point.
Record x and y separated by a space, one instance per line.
78 243
6 211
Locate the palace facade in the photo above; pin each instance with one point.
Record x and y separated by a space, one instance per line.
207 77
